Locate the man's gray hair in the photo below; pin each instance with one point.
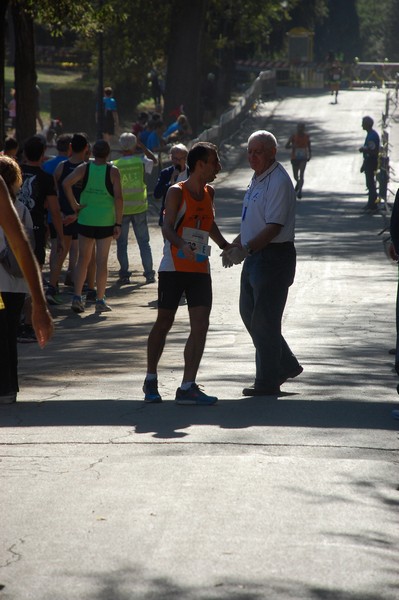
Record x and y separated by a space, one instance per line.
267 138
180 147
127 141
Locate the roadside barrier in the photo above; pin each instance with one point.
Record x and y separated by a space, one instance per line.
263 87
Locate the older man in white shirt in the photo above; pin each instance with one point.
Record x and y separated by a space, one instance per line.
266 241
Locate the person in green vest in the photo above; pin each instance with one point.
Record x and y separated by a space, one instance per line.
132 166
99 216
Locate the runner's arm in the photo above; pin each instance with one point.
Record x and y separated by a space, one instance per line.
172 203
54 207
118 199
76 175
16 236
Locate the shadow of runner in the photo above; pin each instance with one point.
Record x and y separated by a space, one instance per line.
166 420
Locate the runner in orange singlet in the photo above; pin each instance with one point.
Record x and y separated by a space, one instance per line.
301 153
187 226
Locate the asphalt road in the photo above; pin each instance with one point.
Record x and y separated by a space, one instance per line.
105 498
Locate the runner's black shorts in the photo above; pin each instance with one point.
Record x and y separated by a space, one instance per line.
71 229
196 286
39 235
96 232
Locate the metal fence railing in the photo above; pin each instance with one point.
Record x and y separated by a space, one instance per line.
385 173
263 86
229 122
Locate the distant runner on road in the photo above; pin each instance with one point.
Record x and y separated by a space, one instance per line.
301 153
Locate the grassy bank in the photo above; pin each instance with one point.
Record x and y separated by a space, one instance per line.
46 79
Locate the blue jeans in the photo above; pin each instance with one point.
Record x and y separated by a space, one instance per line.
140 228
265 279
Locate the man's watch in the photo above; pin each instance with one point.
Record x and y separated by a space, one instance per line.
248 249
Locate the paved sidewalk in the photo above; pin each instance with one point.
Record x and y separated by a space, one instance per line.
106 498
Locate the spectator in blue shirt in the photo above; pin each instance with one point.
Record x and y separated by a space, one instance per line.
370 150
111 118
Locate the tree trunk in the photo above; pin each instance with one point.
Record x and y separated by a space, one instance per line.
25 72
3 12
183 78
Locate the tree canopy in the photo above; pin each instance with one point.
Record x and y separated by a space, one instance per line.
185 41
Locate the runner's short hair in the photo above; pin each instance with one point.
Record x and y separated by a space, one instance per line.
101 149
10 143
200 151
34 147
79 142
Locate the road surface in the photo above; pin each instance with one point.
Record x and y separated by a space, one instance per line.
105 498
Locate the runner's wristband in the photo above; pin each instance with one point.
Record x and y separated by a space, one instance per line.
117 225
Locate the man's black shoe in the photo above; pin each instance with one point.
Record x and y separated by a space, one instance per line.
291 374
252 391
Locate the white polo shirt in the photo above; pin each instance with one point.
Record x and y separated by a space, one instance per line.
270 198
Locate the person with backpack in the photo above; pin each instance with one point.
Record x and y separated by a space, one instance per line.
16 261
99 219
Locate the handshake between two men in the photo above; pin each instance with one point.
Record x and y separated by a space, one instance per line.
234 255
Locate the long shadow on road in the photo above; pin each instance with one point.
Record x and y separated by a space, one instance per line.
166 420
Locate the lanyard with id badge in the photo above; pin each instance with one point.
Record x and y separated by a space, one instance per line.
248 198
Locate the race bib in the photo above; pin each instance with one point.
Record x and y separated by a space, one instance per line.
300 153
198 242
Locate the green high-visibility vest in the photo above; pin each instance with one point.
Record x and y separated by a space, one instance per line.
134 190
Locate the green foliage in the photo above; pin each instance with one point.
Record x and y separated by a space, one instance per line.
132 46
339 33
138 35
379 29
391 38
372 28
309 13
247 23
85 17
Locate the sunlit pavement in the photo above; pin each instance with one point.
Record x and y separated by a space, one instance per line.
255 498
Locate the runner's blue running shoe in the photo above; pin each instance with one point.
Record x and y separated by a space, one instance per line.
194 396
77 304
150 389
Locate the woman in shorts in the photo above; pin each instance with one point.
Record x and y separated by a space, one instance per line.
99 217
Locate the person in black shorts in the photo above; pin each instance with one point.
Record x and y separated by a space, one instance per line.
38 195
80 152
110 115
99 219
188 225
